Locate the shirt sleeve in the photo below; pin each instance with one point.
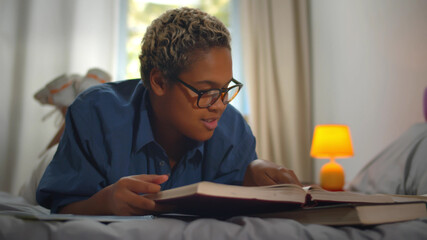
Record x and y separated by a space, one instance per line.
73 175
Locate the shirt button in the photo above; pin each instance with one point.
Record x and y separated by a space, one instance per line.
162 163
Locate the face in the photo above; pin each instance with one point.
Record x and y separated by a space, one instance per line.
179 111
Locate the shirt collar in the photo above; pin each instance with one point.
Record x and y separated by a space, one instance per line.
199 148
144 133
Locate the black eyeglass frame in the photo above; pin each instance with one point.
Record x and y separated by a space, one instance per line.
222 92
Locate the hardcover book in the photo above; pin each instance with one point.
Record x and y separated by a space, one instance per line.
214 199
354 214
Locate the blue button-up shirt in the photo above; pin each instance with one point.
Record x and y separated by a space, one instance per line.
108 136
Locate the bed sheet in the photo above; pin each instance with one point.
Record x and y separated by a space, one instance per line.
241 227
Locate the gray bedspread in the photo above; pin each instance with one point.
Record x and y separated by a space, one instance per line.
12 227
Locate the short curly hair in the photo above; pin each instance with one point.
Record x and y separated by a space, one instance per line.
171 41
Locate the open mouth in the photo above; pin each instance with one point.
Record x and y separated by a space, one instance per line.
210 123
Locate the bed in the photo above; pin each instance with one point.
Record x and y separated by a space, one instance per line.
401 168
240 227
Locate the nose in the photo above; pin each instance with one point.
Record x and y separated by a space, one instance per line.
218 105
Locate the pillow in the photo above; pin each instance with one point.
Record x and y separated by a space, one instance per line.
399 169
28 190
425 104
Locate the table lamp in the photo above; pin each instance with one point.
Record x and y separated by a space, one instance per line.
331 141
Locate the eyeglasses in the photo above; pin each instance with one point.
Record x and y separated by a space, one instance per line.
207 98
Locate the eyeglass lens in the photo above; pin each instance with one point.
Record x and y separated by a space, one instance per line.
210 97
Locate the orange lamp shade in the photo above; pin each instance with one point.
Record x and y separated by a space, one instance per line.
332 141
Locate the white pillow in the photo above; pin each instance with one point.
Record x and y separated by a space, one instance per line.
28 189
399 169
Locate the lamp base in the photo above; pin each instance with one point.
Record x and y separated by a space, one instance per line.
332 176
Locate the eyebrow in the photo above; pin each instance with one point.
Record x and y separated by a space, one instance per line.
212 83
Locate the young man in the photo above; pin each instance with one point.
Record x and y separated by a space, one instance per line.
173 128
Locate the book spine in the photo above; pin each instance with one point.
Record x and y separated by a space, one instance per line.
309 201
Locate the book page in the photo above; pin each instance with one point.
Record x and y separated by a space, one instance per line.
282 186
319 194
408 198
277 193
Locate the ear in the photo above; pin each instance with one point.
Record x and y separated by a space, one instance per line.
158 82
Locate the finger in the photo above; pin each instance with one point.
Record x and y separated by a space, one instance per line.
130 203
294 176
153 178
282 175
140 203
265 179
143 206
138 186
144 187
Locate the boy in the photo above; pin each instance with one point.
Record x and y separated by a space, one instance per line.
173 128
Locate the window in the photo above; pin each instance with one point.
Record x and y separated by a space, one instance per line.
136 16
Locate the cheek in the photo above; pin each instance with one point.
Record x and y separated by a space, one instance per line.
182 113
186 119
182 108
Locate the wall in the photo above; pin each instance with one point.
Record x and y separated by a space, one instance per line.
369 68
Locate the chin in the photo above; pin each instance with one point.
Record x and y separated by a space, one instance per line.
203 136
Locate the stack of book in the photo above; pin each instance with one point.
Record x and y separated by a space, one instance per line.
310 204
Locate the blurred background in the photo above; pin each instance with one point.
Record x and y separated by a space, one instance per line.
360 63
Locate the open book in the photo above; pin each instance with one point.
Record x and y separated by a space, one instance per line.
213 199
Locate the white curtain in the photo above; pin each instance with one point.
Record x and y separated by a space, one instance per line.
40 40
276 68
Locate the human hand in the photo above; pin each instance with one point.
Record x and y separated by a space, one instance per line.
123 197
261 172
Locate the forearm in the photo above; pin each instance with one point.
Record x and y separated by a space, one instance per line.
95 205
